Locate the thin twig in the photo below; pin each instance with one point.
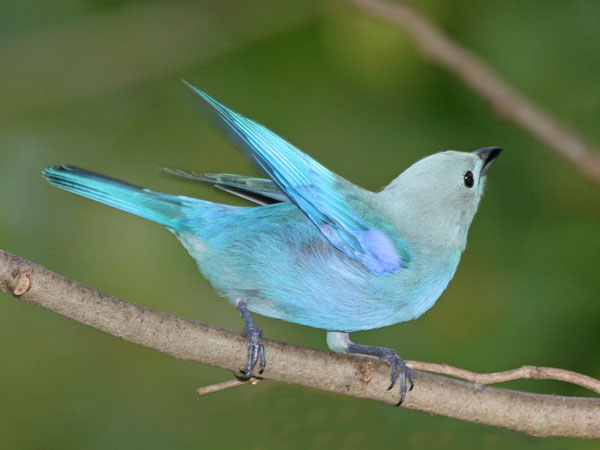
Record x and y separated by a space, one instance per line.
525 372
226 385
536 414
479 77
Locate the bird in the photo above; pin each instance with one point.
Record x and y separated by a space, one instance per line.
315 249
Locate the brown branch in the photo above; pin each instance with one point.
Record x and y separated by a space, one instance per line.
539 415
226 385
525 372
480 78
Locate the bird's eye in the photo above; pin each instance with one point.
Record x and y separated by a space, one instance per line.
468 179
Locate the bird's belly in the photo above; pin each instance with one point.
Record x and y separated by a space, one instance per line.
297 276
335 308
343 296
348 302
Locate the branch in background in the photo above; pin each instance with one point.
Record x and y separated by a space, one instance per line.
539 415
481 79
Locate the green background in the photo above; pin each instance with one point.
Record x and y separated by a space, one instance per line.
95 83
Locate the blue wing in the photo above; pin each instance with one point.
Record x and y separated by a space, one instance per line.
322 195
257 190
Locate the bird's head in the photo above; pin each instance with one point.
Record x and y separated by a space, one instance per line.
438 195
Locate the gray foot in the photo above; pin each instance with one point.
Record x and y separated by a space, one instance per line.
256 350
397 366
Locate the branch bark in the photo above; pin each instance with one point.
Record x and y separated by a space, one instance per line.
539 415
479 77
524 372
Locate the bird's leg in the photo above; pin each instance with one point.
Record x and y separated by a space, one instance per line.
340 342
256 349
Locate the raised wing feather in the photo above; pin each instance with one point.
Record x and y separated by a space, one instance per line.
322 195
257 190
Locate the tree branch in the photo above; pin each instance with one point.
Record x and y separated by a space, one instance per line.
226 385
525 372
539 415
480 78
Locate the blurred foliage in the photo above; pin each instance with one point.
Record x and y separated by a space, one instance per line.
96 83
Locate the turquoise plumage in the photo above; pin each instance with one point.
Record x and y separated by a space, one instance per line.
319 251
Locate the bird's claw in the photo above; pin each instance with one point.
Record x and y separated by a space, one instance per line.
256 353
398 367
389 356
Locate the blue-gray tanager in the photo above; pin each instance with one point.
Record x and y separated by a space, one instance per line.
319 251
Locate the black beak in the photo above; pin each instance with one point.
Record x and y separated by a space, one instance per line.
488 155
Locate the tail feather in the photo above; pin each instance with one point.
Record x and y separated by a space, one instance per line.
165 209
